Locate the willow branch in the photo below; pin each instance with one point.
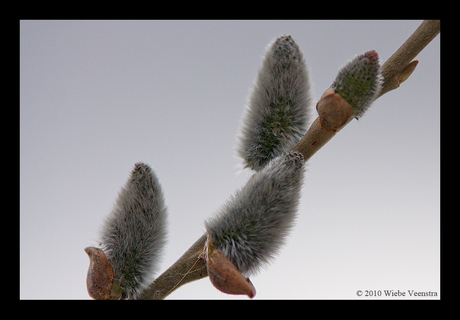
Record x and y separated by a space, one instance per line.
398 67
191 266
395 71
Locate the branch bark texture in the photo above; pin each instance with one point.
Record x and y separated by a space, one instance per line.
191 265
397 65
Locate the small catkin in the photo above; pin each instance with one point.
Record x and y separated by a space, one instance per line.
359 81
133 235
276 117
251 227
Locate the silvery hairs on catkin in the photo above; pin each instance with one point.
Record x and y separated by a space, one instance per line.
276 117
133 235
359 81
250 228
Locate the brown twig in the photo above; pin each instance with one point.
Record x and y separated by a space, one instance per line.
395 71
397 68
191 266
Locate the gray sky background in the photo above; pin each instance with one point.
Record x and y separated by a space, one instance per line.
98 96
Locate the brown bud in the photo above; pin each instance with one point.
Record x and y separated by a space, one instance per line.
407 71
100 276
334 112
225 276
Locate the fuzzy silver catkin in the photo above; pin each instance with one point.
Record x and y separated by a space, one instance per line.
250 228
359 81
277 114
134 233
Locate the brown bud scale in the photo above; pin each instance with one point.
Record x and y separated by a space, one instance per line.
99 280
334 112
225 276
